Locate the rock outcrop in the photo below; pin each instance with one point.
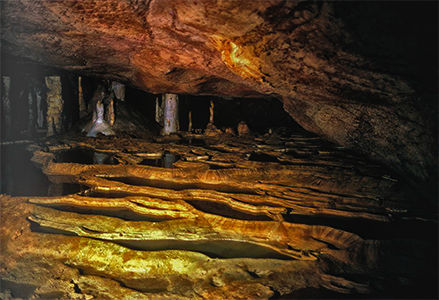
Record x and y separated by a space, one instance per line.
359 74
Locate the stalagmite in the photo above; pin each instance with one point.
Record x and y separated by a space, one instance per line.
54 105
99 124
170 114
243 129
189 126
211 129
103 111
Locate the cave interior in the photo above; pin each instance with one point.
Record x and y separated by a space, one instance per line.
218 149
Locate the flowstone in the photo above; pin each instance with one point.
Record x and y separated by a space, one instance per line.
234 218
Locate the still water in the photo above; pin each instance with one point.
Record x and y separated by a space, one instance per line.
19 176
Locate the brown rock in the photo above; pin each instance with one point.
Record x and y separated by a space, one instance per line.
343 71
211 130
229 130
243 129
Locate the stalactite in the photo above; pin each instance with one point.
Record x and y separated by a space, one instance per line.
170 120
54 105
119 90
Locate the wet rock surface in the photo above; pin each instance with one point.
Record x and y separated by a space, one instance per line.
361 75
262 217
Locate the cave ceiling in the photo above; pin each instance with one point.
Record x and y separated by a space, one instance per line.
358 74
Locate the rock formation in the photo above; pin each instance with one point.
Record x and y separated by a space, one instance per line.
54 105
170 114
236 218
224 215
98 123
343 70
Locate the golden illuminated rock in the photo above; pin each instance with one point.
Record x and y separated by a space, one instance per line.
249 221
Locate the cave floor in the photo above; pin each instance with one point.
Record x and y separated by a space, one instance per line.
221 217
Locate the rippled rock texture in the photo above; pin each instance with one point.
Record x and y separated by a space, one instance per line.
360 74
215 218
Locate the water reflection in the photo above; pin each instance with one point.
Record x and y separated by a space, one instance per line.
61 189
166 161
100 158
192 142
19 176
262 157
86 157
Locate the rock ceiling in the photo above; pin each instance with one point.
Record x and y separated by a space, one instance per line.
344 71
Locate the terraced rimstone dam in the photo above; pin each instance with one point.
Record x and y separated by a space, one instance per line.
218 150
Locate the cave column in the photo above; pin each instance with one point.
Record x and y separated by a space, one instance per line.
54 105
170 113
189 127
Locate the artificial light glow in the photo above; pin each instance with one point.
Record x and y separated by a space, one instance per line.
239 59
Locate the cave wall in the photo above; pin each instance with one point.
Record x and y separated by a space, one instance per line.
360 74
